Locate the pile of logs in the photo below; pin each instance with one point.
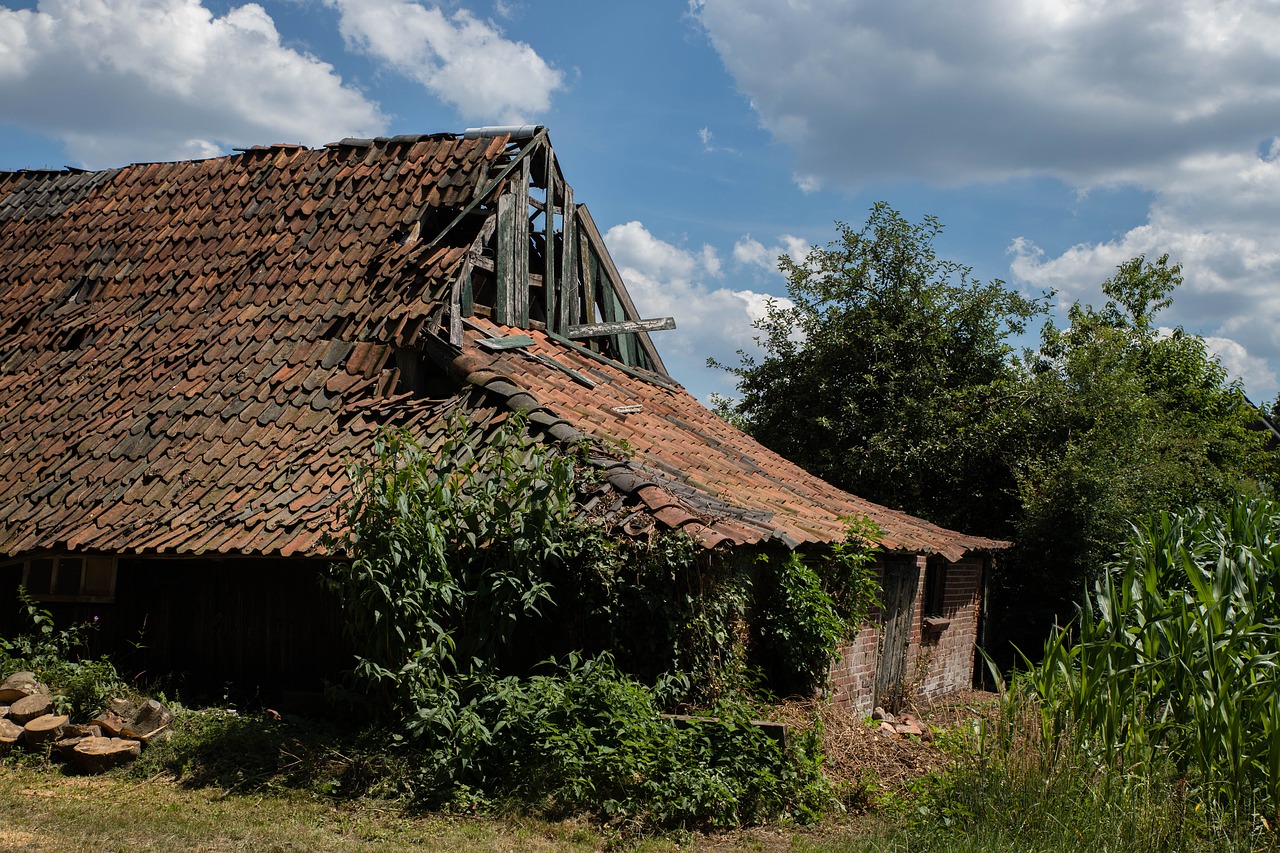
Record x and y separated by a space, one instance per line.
114 737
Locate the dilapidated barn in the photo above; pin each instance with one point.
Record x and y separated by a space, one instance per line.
192 353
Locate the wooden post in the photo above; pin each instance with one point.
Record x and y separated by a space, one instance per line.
566 299
550 288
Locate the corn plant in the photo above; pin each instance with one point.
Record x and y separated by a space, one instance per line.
1174 658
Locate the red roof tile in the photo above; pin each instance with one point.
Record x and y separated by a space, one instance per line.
142 307
193 352
691 470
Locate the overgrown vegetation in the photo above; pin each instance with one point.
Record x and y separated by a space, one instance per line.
1175 662
60 659
1149 724
892 373
468 557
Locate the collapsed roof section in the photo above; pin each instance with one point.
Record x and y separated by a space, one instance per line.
191 353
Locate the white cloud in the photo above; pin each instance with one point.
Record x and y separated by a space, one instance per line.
462 60
711 321
1178 99
1219 216
1089 91
749 251
1255 371
128 80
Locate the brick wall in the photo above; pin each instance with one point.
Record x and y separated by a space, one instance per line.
940 657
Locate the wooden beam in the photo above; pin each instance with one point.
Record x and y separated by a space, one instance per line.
570 279
630 371
592 234
521 239
550 289
460 304
658 324
504 260
521 158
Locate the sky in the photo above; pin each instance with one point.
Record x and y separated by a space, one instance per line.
1054 139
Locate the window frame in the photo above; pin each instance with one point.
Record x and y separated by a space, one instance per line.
935 590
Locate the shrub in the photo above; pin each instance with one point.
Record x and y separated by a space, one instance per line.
458 549
81 685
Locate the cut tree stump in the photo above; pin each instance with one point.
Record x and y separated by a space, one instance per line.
151 718
64 747
28 708
41 730
19 685
9 734
99 754
110 722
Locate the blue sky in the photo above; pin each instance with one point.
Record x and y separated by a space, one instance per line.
1053 139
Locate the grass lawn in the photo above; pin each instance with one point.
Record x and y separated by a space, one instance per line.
45 810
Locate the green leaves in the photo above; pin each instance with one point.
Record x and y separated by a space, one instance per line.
804 606
890 376
449 545
1177 656
1132 421
458 541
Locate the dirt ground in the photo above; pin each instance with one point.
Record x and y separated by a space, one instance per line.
858 752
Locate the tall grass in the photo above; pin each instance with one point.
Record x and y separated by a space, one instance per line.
1150 723
1175 662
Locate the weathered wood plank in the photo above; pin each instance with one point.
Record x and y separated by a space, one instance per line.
520 236
504 259
617 313
592 236
550 283
590 284
630 371
570 281
775 730
460 302
617 327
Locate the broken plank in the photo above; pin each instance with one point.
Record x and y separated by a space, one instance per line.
775 730
638 374
595 330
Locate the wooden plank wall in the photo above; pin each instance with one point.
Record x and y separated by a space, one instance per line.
204 624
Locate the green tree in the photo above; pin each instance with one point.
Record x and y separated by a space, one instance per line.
890 375
1126 420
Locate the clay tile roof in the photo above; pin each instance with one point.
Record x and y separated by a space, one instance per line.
690 470
189 351
192 353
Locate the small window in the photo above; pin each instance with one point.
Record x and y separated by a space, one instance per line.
70 578
935 587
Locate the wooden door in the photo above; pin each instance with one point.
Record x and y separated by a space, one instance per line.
901 577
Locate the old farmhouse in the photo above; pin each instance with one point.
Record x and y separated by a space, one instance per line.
192 353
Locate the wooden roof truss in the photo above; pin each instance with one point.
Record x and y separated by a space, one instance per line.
538 261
